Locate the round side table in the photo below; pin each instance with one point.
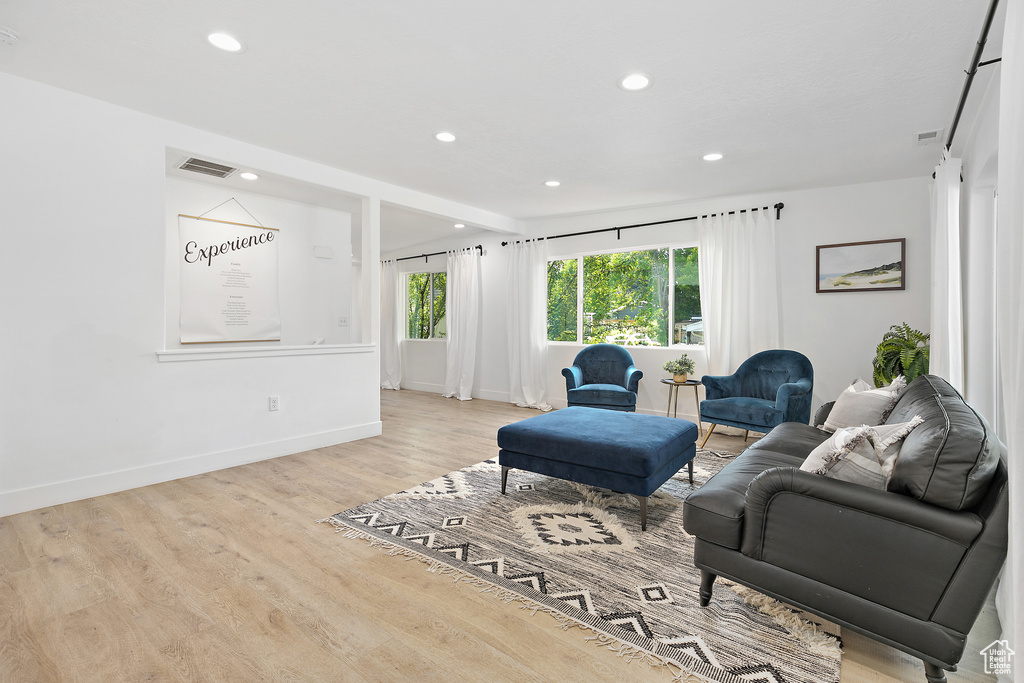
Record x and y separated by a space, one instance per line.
673 398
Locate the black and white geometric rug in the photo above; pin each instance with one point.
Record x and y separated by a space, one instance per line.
577 552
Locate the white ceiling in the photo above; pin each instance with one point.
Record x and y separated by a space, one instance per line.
796 94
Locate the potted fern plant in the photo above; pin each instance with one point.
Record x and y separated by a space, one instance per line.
680 367
902 351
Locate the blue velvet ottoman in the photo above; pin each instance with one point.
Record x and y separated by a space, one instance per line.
626 452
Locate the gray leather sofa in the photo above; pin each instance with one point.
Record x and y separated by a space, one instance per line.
911 566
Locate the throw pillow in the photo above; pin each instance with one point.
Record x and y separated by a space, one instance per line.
858 462
888 440
860 455
861 404
826 454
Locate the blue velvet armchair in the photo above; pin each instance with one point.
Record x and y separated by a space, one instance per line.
603 376
769 388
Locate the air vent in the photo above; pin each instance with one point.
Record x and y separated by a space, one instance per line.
929 137
206 167
7 36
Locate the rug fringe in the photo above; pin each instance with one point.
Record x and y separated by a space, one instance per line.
627 651
819 642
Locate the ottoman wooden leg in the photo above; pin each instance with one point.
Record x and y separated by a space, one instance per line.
643 512
504 477
689 469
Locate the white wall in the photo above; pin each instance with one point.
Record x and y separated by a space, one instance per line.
314 292
837 331
424 360
87 408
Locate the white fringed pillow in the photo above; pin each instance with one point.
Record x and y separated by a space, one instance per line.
861 455
862 404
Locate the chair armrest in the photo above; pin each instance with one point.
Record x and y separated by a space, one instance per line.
719 386
633 375
789 389
573 377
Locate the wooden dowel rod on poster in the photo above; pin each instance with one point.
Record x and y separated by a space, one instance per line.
217 220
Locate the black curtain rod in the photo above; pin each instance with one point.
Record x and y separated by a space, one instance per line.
778 214
975 63
426 257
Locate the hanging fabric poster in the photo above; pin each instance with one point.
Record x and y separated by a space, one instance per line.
229 277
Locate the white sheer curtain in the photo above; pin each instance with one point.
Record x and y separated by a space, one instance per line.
947 340
390 325
1010 318
463 317
739 290
527 323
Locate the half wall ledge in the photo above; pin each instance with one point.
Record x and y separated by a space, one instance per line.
179 355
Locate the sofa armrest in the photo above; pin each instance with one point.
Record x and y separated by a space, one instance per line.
822 413
573 377
788 390
719 386
884 547
632 380
897 509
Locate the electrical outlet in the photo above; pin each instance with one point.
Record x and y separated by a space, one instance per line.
342 321
275 403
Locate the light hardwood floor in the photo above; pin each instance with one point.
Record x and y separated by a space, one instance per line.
225 577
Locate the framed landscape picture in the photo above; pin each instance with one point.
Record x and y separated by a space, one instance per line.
861 266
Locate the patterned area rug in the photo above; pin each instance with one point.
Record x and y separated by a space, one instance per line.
577 552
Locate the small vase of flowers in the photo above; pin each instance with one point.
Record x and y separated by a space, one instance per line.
680 367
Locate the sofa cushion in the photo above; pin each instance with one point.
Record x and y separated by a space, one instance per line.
950 459
607 394
714 512
793 439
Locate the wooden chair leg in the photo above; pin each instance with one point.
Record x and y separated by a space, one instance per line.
746 432
707 434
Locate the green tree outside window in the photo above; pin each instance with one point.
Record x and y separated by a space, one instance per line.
425 309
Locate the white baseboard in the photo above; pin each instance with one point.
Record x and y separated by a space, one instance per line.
489 395
485 394
56 493
423 386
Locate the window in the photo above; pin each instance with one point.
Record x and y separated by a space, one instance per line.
562 304
425 306
625 298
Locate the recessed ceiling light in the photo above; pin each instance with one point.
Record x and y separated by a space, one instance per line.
445 136
714 156
460 225
248 176
635 82
552 183
225 42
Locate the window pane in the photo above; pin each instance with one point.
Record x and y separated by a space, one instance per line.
418 326
562 300
440 329
625 298
689 325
